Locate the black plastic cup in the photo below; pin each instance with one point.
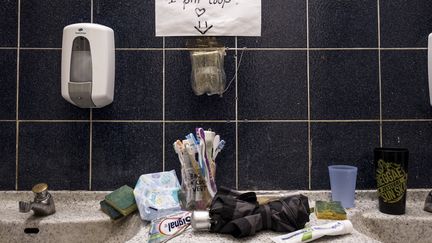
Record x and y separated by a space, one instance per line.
391 171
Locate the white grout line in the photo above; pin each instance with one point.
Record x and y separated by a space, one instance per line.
407 120
91 123
199 121
163 103
127 121
91 11
8 48
141 49
309 137
17 96
226 121
345 121
53 121
41 49
236 118
401 48
246 49
272 121
379 75
90 149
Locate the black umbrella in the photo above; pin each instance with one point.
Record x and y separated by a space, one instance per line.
240 214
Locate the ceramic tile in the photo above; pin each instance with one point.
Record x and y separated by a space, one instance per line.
343 23
131 20
40 88
273 156
54 153
138 87
344 85
405 91
343 144
8 25
405 23
8 83
283 25
42 22
273 85
124 151
416 137
7 159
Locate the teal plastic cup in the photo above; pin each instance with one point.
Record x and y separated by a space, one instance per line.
343 183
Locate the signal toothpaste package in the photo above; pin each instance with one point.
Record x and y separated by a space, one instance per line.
166 228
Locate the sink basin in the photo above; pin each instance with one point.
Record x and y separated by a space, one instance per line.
413 226
77 219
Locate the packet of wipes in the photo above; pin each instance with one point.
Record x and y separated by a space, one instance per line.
156 194
166 228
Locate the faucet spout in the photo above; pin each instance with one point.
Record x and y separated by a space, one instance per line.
43 203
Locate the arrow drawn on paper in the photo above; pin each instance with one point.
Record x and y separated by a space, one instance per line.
203 29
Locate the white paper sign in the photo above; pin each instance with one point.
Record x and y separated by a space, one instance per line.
208 17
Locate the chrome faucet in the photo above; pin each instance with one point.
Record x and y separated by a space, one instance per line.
43 203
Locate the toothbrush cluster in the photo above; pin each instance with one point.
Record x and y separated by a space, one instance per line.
197 156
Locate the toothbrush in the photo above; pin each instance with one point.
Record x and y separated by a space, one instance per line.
178 149
211 185
220 146
216 141
191 153
201 158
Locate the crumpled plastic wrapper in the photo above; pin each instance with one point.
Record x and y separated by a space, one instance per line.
156 194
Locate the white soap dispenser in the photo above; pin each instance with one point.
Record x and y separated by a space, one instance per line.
88 65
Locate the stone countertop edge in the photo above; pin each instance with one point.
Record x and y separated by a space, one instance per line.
366 202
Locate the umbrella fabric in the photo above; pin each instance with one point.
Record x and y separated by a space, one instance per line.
240 214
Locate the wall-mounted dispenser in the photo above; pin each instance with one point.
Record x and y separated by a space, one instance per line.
430 67
88 65
208 74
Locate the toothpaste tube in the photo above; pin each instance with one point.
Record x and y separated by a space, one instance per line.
166 228
315 232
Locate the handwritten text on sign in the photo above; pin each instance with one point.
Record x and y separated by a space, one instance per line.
208 17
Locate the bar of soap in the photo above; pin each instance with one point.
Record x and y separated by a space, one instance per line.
123 200
110 211
330 210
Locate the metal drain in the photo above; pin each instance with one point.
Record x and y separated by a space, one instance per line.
31 230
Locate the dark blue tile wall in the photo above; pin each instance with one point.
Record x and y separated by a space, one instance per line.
405 84
344 85
7 160
55 153
326 83
42 22
124 151
8 83
344 143
273 156
8 25
405 23
343 23
416 136
275 90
